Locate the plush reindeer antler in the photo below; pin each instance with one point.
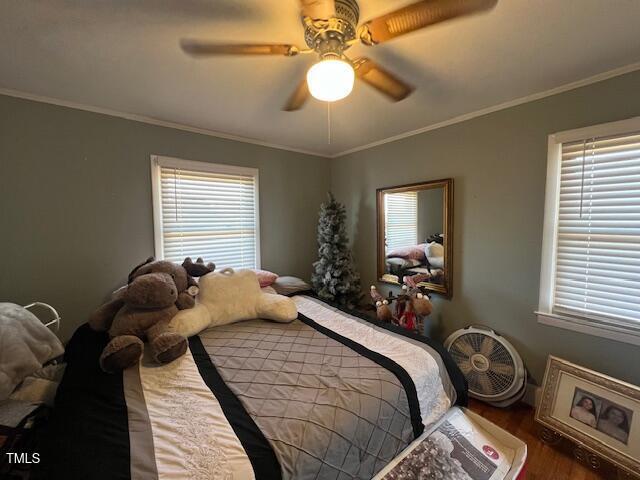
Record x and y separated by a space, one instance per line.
375 294
413 280
383 312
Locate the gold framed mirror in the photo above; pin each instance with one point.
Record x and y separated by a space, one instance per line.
415 235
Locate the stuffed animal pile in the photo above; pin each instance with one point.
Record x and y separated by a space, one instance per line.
143 309
409 304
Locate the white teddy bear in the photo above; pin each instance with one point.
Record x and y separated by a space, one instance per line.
227 297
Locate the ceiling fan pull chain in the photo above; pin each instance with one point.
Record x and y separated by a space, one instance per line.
329 123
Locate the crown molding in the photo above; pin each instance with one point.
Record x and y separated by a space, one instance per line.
152 121
212 133
502 106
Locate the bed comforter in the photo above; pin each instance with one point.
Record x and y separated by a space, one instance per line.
328 396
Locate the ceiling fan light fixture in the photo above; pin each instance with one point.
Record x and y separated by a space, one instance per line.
330 80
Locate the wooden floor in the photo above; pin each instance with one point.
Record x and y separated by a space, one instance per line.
543 461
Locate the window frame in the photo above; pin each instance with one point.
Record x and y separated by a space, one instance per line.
159 161
545 314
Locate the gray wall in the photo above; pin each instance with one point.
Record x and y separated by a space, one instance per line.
75 202
76 214
498 164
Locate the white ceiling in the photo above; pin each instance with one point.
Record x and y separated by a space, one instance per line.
123 55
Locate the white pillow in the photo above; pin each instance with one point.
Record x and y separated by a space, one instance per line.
434 249
435 254
290 285
402 262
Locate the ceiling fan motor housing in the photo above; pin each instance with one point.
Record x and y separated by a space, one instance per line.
329 37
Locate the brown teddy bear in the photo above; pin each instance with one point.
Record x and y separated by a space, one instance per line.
142 309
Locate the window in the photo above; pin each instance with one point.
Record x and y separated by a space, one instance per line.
401 219
205 210
590 277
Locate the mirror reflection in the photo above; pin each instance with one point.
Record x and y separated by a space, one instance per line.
414 232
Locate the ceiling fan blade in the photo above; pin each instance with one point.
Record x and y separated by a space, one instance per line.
201 49
298 97
382 80
318 9
416 16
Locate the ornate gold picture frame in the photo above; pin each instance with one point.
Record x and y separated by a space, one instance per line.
599 413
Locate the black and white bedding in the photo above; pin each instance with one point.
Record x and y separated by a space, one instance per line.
328 396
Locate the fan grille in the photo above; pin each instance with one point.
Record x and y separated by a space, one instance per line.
486 363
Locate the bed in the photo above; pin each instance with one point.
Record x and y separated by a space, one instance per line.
328 396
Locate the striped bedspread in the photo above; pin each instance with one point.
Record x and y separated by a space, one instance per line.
328 396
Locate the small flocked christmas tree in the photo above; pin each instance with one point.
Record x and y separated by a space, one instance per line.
335 277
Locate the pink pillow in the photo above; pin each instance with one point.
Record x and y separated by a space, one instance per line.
414 252
265 277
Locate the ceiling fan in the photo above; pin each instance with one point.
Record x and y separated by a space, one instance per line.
330 28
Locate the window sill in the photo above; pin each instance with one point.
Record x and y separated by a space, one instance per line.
612 332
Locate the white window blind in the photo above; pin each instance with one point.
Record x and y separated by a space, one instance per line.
206 210
401 219
597 254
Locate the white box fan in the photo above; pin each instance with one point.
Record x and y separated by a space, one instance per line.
493 369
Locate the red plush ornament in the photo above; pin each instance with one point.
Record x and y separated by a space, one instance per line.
408 318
